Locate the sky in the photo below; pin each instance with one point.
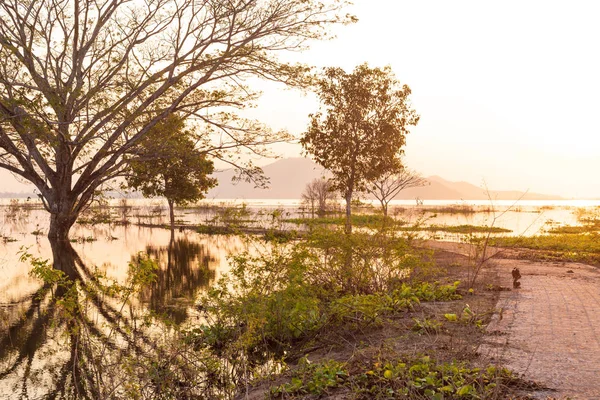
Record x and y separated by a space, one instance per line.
508 92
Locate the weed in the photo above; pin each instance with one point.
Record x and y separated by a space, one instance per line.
313 379
426 325
389 378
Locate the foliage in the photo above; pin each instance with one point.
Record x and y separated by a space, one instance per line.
426 325
574 229
586 242
313 378
360 130
583 247
364 220
167 164
82 82
368 309
376 221
379 262
401 378
228 220
456 228
280 297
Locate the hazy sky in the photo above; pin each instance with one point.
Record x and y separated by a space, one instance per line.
508 91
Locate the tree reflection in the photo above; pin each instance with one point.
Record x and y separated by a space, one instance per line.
80 335
185 267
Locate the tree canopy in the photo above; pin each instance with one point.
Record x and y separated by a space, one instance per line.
169 165
82 82
361 127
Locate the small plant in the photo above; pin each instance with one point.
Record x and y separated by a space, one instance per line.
37 231
8 239
426 325
83 239
313 379
451 317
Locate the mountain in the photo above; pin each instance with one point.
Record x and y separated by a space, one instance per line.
289 176
469 191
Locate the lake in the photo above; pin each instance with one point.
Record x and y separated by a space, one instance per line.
188 261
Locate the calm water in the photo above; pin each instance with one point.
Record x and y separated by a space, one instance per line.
111 246
188 262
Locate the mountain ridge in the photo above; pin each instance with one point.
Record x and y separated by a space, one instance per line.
289 176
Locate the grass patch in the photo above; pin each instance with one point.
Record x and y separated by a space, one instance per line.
456 229
376 221
582 247
456 209
574 229
363 220
584 242
215 230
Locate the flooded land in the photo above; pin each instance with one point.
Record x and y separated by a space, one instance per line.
119 304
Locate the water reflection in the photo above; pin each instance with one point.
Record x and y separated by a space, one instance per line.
185 268
70 327
72 336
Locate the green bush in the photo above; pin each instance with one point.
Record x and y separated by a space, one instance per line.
364 263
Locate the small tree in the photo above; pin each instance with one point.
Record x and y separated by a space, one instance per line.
360 130
319 193
391 183
168 164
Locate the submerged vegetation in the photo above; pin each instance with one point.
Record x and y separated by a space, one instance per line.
376 221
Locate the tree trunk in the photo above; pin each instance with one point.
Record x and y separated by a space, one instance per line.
171 214
61 221
64 256
348 228
384 208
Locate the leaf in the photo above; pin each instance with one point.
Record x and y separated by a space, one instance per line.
451 317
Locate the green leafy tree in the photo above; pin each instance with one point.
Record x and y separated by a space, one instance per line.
169 165
82 82
359 132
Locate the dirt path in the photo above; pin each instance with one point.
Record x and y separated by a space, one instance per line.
550 328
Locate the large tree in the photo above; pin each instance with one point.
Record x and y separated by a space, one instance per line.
82 81
168 164
360 130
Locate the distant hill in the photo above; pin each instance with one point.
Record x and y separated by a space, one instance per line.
289 176
469 191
